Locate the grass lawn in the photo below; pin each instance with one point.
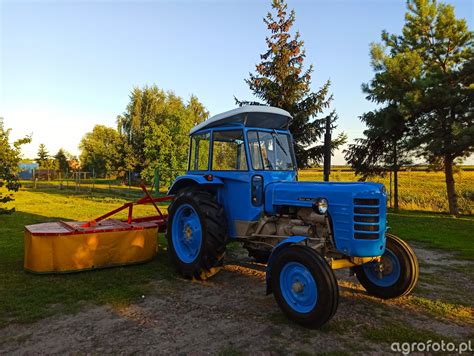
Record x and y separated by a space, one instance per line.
26 297
440 231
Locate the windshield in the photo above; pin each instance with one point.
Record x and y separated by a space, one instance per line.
270 151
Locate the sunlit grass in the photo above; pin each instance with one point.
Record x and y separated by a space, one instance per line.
439 308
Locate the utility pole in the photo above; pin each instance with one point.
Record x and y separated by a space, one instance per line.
327 149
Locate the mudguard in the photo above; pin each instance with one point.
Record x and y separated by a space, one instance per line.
189 180
282 244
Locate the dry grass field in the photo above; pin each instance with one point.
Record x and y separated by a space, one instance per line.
418 190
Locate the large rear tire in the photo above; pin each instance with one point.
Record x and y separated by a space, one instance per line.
196 234
397 273
304 286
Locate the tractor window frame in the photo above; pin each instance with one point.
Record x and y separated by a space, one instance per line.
258 163
193 162
244 150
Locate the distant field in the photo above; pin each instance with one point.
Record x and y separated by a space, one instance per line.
418 190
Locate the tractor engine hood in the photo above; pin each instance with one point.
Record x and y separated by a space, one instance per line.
303 194
357 211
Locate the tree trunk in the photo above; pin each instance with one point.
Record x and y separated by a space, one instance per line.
395 176
395 189
452 197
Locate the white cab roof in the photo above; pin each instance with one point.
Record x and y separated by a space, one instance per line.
249 115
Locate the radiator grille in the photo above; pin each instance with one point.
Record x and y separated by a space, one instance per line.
366 218
366 210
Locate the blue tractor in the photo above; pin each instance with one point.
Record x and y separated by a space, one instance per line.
242 185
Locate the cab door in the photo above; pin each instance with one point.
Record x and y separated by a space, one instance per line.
229 162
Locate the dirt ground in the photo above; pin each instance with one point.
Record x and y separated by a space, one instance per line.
230 315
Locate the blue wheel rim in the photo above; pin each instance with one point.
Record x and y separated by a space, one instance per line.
186 233
390 272
298 287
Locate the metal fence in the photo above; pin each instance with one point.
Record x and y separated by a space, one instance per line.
114 183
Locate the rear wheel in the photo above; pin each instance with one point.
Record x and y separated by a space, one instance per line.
196 234
304 286
395 275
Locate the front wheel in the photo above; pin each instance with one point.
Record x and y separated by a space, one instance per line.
395 275
304 286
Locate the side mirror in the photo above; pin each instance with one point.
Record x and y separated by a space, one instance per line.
257 190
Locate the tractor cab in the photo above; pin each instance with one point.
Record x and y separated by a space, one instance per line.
235 155
241 184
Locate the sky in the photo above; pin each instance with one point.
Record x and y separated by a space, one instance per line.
68 65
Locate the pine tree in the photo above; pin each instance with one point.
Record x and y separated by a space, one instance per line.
384 147
281 80
43 156
428 72
62 160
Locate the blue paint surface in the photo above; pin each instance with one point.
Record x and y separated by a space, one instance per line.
186 233
388 279
359 230
298 287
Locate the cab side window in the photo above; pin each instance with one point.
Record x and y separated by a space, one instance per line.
199 153
228 151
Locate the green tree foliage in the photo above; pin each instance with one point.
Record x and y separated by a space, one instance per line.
427 71
43 156
62 161
10 156
155 127
281 80
384 147
100 150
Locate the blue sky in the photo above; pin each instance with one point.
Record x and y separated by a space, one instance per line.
68 65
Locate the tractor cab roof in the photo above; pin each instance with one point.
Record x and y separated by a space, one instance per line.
250 115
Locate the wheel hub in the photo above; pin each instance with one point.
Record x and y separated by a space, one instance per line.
188 231
297 287
384 267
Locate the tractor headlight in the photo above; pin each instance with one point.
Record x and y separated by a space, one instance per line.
320 206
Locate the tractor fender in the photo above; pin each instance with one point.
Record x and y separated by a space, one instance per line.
189 180
281 245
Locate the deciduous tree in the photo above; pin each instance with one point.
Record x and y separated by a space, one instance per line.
10 156
156 126
99 150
